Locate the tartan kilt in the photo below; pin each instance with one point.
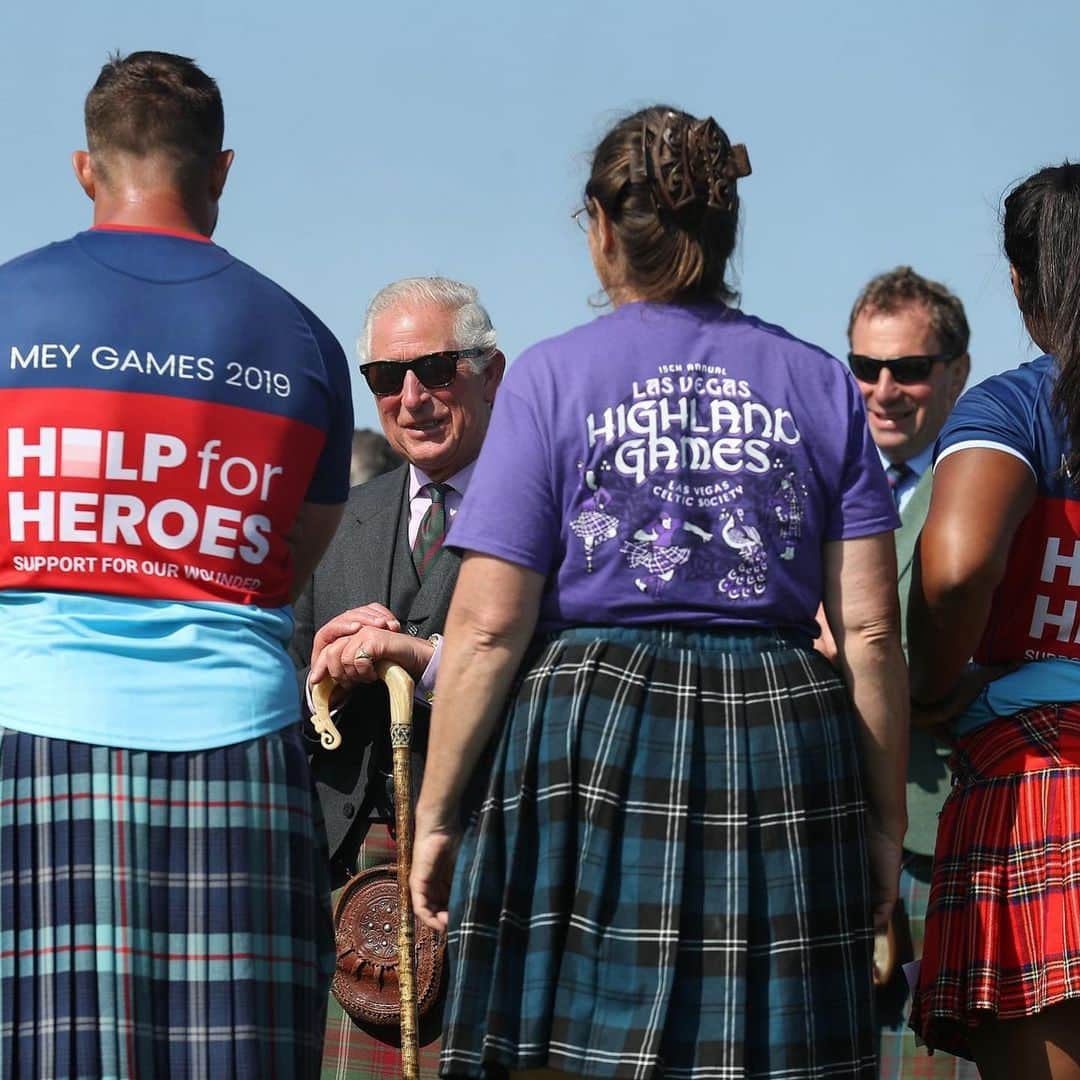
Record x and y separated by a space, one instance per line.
353 1051
1003 925
900 1056
668 871
161 914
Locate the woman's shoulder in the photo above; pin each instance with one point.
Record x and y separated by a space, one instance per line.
551 348
573 355
781 343
1020 388
1012 410
778 336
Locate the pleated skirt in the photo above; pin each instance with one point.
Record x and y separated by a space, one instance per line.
667 873
161 914
1003 923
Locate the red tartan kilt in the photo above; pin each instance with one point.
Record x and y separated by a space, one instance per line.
1003 923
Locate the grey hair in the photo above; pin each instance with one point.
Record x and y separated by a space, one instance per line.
472 323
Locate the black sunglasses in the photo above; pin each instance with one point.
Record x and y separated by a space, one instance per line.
435 370
906 370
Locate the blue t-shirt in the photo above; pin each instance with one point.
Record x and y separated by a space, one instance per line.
166 411
1035 612
669 464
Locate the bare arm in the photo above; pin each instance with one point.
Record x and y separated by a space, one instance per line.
311 534
862 610
980 497
491 620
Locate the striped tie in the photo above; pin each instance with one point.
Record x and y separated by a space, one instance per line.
429 540
896 475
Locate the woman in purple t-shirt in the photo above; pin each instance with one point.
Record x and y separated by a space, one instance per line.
690 821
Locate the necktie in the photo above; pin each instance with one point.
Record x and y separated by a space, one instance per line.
896 475
432 533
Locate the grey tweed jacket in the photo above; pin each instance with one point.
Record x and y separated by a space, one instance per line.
369 560
928 771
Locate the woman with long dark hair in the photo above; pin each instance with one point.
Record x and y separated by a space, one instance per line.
672 868
998 578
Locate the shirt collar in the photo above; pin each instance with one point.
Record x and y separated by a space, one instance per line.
153 230
917 464
459 481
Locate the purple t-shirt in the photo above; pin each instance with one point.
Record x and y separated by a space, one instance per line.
676 465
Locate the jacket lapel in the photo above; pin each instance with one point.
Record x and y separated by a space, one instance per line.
379 526
404 583
911 523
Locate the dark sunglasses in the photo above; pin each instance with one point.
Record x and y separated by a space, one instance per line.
435 370
906 370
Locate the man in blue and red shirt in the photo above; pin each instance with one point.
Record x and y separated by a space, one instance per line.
174 458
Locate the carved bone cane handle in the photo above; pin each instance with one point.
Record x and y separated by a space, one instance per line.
400 686
321 720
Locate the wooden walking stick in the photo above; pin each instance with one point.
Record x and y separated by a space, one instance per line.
399 685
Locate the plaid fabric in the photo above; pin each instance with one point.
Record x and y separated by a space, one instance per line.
161 914
357 1052
668 871
427 546
1003 925
899 1055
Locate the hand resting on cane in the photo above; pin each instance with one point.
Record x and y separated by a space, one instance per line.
348 645
351 659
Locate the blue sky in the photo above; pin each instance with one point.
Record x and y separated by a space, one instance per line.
376 141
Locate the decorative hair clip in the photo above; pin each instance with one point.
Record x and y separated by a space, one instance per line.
689 162
738 163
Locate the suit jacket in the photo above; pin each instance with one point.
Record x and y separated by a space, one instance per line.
369 560
928 772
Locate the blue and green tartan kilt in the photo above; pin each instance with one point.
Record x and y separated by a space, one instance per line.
161 914
667 874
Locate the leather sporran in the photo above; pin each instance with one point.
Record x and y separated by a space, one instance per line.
366 934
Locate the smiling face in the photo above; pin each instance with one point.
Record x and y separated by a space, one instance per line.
439 431
905 420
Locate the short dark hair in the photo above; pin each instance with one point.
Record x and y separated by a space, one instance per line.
1042 242
902 288
156 103
667 182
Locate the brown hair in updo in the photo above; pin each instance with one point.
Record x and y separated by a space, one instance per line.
667 181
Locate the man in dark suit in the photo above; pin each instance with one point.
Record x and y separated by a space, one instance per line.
429 355
909 354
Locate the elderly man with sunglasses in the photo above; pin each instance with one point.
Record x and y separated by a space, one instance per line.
909 355
429 356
